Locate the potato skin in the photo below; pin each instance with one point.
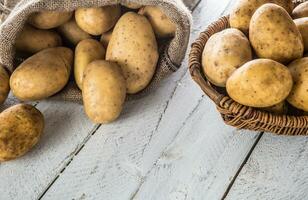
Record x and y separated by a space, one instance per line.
132 5
162 25
104 91
4 84
32 40
260 83
223 54
42 75
86 51
49 19
279 109
302 25
274 35
72 32
136 55
300 11
97 21
241 14
21 127
299 94
105 38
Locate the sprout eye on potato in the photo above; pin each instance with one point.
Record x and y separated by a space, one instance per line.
49 19
4 84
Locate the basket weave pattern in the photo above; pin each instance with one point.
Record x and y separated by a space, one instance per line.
233 113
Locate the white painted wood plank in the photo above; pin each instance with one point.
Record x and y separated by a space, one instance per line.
277 169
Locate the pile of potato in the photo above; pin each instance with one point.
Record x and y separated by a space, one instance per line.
110 52
260 59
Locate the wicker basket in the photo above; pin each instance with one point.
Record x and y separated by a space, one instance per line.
233 113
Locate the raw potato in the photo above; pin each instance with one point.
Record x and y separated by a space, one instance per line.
299 94
49 19
42 75
132 5
97 21
241 15
162 25
104 91
105 38
72 32
302 25
4 84
32 40
274 35
301 10
21 127
223 54
279 109
260 83
86 51
136 55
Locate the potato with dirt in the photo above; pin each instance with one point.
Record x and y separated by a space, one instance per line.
4 84
49 19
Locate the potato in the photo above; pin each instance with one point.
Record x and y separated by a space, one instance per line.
136 55
105 38
21 127
132 5
260 83
241 14
32 40
49 19
274 35
302 25
42 75
223 54
280 108
299 94
4 84
300 11
72 32
97 21
104 91
86 51
162 25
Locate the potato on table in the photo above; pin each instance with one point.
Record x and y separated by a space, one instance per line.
302 25
49 19
4 84
224 52
300 11
21 127
260 83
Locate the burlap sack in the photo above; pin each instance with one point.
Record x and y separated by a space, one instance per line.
170 58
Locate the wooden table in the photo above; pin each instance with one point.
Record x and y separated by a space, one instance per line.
170 145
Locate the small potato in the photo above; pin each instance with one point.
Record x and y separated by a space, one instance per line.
278 109
105 38
300 11
162 25
223 54
302 25
138 55
72 32
32 40
49 19
260 83
42 75
299 94
132 5
274 35
86 51
21 127
104 91
4 84
97 21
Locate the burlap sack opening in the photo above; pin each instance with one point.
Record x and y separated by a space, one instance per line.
170 58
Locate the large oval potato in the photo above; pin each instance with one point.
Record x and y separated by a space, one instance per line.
224 52
241 14
302 25
105 38
300 11
72 32
104 91
4 84
86 51
135 51
97 21
32 40
260 83
42 75
299 94
21 127
274 35
162 25
49 19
